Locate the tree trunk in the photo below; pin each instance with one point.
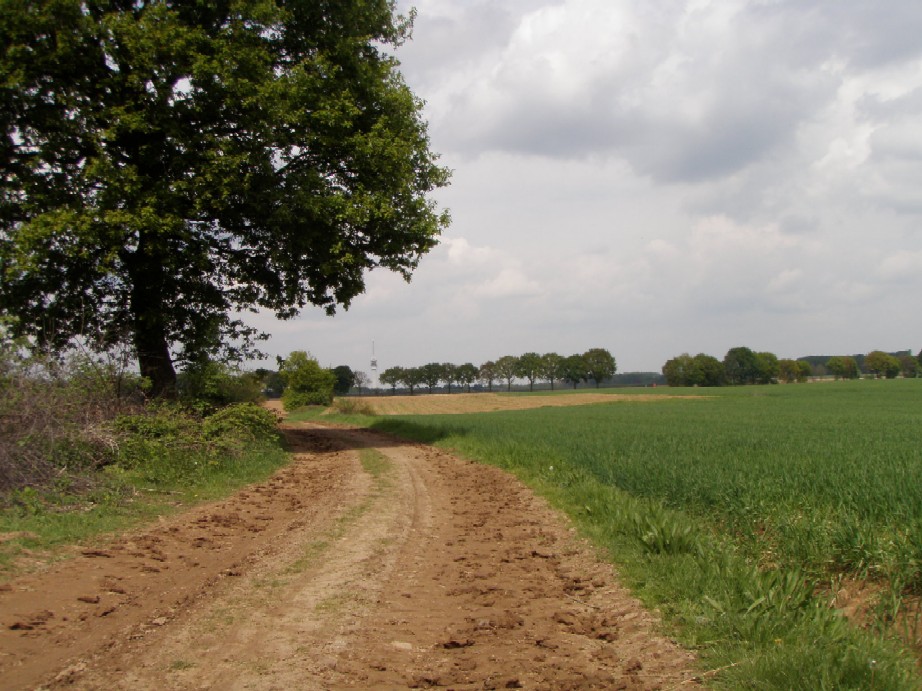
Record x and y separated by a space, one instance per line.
149 321
154 359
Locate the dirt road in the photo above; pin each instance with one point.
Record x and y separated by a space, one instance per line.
366 564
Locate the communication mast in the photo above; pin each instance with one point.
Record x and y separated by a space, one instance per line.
374 361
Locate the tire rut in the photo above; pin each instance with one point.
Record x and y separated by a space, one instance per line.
418 571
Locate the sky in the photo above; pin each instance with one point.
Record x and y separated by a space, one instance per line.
655 177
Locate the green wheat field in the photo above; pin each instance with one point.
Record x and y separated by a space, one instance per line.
752 519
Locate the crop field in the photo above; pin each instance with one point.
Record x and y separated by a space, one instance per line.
768 506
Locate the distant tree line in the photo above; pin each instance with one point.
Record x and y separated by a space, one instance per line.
596 365
742 365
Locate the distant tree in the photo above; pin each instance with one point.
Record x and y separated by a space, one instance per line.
700 370
529 367
600 365
306 382
413 377
506 368
361 380
391 377
467 374
842 367
345 378
909 366
881 364
449 374
741 366
680 371
488 374
711 370
790 371
766 368
552 368
575 369
431 374
273 384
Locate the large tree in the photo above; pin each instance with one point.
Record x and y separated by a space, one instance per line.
842 366
529 366
741 366
167 165
882 364
600 365
552 368
575 369
506 368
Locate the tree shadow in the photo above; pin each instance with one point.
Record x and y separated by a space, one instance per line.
381 434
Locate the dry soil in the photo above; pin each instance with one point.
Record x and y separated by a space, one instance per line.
368 563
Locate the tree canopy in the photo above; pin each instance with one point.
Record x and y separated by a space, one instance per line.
169 165
600 365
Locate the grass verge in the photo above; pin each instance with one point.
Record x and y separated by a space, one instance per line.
166 461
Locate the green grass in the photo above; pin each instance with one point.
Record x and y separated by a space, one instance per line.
735 514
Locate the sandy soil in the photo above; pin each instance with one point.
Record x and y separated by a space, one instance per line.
458 403
412 570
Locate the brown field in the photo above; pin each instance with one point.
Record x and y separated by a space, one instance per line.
457 403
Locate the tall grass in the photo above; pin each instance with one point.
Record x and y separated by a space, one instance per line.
732 513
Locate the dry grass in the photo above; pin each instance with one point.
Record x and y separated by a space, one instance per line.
458 403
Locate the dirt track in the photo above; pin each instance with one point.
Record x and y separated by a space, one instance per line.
417 570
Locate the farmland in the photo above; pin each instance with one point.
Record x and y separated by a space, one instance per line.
749 517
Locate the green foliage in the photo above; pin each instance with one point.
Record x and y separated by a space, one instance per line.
345 378
842 367
217 384
467 374
412 377
306 382
488 373
167 165
246 422
391 377
170 445
505 369
600 365
430 374
575 370
529 366
700 370
552 368
909 366
53 418
881 364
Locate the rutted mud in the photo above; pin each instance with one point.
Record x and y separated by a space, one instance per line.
367 563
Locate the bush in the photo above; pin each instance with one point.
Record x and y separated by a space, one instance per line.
243 420
54 418
217 385
348 406
306 383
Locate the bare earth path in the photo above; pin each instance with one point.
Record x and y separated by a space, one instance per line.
366 564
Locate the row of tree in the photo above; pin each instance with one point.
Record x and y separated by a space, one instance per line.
596 365
742 365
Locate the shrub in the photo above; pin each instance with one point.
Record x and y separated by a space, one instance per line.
306 383
349 406
217 385
244 420
54 417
